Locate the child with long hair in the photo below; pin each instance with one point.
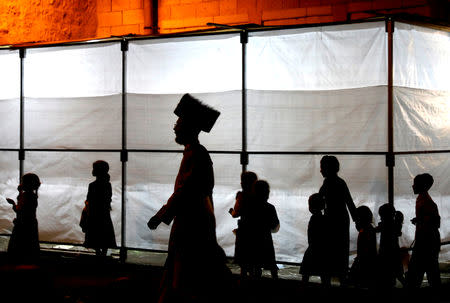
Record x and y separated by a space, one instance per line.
99 229
23 245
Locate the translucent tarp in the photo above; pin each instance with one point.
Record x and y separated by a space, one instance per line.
421 57
421 119
10 123
338 120
9 179
9 98
150 121
318 58
91 122
9 74
187 65
70 72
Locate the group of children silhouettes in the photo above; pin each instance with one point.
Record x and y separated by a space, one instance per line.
254 249
96 223
379 266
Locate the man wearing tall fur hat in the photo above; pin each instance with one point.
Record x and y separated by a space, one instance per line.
195 264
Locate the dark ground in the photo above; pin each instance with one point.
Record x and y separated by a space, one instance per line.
83 278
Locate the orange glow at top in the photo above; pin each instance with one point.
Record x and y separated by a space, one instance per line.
23 21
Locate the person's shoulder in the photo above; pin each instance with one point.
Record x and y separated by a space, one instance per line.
270 206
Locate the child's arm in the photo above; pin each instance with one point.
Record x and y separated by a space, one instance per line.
11 201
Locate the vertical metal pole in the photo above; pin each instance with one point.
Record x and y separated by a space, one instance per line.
22 123
390 157
154 14
244 154
124 153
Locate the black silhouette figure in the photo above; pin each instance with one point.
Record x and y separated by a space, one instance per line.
337 200
427 240
23 245
196 265
98 226
241 207
262 221
364 267
402 251
390 263
314 260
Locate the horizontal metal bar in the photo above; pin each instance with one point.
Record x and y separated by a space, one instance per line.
315 153
444 151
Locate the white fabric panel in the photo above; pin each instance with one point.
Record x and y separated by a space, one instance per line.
293 179
94 122
150 121
342 120
421 57
421 119
406 168
180 65
9 74
9 123
9 179
65 177
73 71
150 181
319 58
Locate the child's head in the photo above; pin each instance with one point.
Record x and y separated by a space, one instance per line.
422 183
30 182
100 168
329 166
247 180
261 190
316 203
364 215
386 212
399 217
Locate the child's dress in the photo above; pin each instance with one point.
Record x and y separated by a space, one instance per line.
363 269
100 229
241 255
314 259
262 220
24 242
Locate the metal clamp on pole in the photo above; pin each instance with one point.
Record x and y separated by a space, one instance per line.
124 156
244 158
244 37
21 154
124 45
390 160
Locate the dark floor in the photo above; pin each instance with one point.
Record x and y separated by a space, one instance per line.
82 278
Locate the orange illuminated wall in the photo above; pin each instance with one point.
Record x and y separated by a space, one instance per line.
25 21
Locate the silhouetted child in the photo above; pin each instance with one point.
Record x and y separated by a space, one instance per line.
398 266
427 240
364 266
314 259
262 221
23 245
99 230
388 253
241 206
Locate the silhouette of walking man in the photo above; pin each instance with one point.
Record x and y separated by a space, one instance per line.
195 265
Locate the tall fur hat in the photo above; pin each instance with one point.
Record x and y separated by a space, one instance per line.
192 109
